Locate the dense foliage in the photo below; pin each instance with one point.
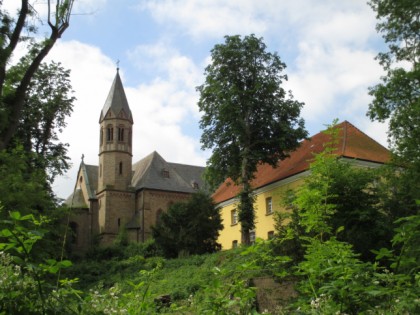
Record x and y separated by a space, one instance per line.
12 32
397 97
190 227
247 116
350 245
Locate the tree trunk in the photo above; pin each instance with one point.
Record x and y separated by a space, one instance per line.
246 207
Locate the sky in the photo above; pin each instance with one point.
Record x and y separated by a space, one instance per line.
163 46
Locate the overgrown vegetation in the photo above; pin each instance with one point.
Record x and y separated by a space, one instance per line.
350 245
190 227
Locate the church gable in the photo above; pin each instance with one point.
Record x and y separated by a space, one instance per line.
82 192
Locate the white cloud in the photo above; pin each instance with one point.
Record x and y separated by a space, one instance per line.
208 18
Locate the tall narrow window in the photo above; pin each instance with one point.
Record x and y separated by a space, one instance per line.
120 133
234 217
101 140
121 168
74 230
110 133
129 137
159 216
268 205
252 236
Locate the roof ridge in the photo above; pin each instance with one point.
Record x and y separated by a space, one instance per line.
189 165
365 134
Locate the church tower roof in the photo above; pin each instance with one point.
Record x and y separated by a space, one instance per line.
116 101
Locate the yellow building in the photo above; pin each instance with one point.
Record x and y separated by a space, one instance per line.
270 184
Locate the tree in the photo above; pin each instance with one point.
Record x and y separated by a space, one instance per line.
397 97
248 117
12 102
189 228
48 103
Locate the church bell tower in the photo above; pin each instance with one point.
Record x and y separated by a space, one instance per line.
115 145
114 194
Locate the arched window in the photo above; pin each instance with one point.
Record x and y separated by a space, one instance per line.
121 168
109 133
158 216
73 232
101 140
129 137
121 133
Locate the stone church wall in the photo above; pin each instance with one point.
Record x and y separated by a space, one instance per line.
119 207
152 203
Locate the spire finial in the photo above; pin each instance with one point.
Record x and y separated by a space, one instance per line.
118 65
83 157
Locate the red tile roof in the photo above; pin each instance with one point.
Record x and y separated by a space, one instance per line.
353 143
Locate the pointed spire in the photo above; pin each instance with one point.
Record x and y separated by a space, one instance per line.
116 100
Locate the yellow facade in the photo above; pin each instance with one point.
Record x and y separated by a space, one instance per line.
230 236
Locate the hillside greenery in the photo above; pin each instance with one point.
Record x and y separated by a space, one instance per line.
347 243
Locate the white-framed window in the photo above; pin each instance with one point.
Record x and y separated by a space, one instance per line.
252 236
234 216
268 205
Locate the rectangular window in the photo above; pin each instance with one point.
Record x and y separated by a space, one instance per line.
234 216
270 235
252 236
165 173
234 244
268 205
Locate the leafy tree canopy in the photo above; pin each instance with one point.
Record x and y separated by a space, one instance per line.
247 116
14 30
397 98
48 103
189 228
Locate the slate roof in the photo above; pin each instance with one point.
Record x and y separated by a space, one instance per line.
91 179
150 173
116 101
352 143
76 200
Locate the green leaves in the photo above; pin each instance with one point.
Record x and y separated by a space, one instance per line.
397 97
189 228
